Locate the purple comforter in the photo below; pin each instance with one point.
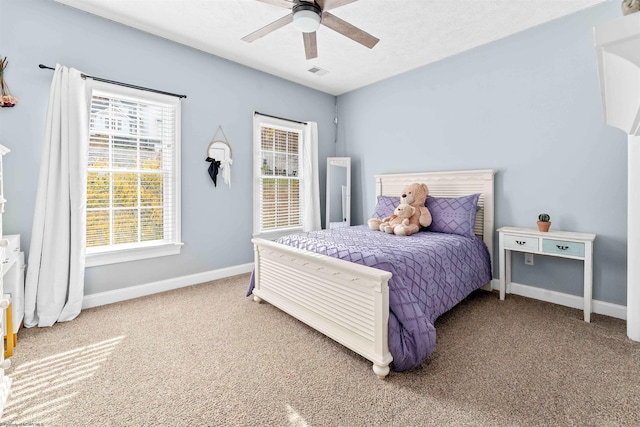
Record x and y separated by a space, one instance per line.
432 272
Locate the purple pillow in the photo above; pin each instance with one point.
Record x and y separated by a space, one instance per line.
385 206
454 215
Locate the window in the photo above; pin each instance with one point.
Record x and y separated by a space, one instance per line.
278 176
133 179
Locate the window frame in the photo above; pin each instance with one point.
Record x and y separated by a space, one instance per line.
143 250
259 121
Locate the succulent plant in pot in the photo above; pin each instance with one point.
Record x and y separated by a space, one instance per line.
544 222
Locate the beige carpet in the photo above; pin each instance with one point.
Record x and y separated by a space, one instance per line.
208 356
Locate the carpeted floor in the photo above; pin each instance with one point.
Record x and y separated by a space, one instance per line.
207 356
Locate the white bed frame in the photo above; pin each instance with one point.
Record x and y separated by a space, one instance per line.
349 302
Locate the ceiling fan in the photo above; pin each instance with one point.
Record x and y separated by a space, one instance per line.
306 16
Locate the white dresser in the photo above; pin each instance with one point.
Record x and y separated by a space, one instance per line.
5 381
13 279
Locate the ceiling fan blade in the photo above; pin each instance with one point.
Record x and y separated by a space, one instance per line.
332 4
310 45
348 30
281 3
268 28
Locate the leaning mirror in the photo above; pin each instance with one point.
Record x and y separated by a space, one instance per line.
338 192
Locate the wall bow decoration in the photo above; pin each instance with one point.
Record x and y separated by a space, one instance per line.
219 155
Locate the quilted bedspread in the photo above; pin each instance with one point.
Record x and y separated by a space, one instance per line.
432 272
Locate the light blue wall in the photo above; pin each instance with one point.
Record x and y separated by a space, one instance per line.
216 222
529 106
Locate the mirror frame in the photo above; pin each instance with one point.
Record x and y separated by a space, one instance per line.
346 163
218 146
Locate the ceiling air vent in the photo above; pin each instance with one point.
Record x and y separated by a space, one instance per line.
318 71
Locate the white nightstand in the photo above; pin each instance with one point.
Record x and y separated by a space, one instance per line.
562 244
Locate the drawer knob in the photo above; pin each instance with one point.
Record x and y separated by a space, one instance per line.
562 248
4 303
520 242
6 364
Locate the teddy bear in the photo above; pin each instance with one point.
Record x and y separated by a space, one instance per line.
382 224
399 219
414 194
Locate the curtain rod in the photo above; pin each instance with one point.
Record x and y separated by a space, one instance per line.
279 118
85 76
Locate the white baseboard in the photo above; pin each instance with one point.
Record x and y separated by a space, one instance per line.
117 295
573 301
110 297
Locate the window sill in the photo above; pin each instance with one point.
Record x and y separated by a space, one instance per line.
131 254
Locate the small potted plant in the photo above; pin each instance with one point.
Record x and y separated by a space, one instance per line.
544 222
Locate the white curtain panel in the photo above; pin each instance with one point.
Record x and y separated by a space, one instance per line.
54 285
311 187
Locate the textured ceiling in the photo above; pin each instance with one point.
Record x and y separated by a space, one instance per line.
412 33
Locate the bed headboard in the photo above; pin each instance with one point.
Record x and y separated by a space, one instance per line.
450 184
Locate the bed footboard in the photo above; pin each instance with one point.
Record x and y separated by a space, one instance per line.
345 301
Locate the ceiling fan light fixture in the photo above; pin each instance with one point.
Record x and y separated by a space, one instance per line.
306 17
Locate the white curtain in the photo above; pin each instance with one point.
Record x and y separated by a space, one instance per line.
54 285
311 187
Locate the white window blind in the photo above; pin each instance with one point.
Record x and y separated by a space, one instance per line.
279 174
133 172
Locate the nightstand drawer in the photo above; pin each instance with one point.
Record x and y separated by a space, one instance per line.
563 247
12 249
520 242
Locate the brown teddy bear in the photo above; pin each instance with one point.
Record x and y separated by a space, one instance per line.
414 194
400 219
